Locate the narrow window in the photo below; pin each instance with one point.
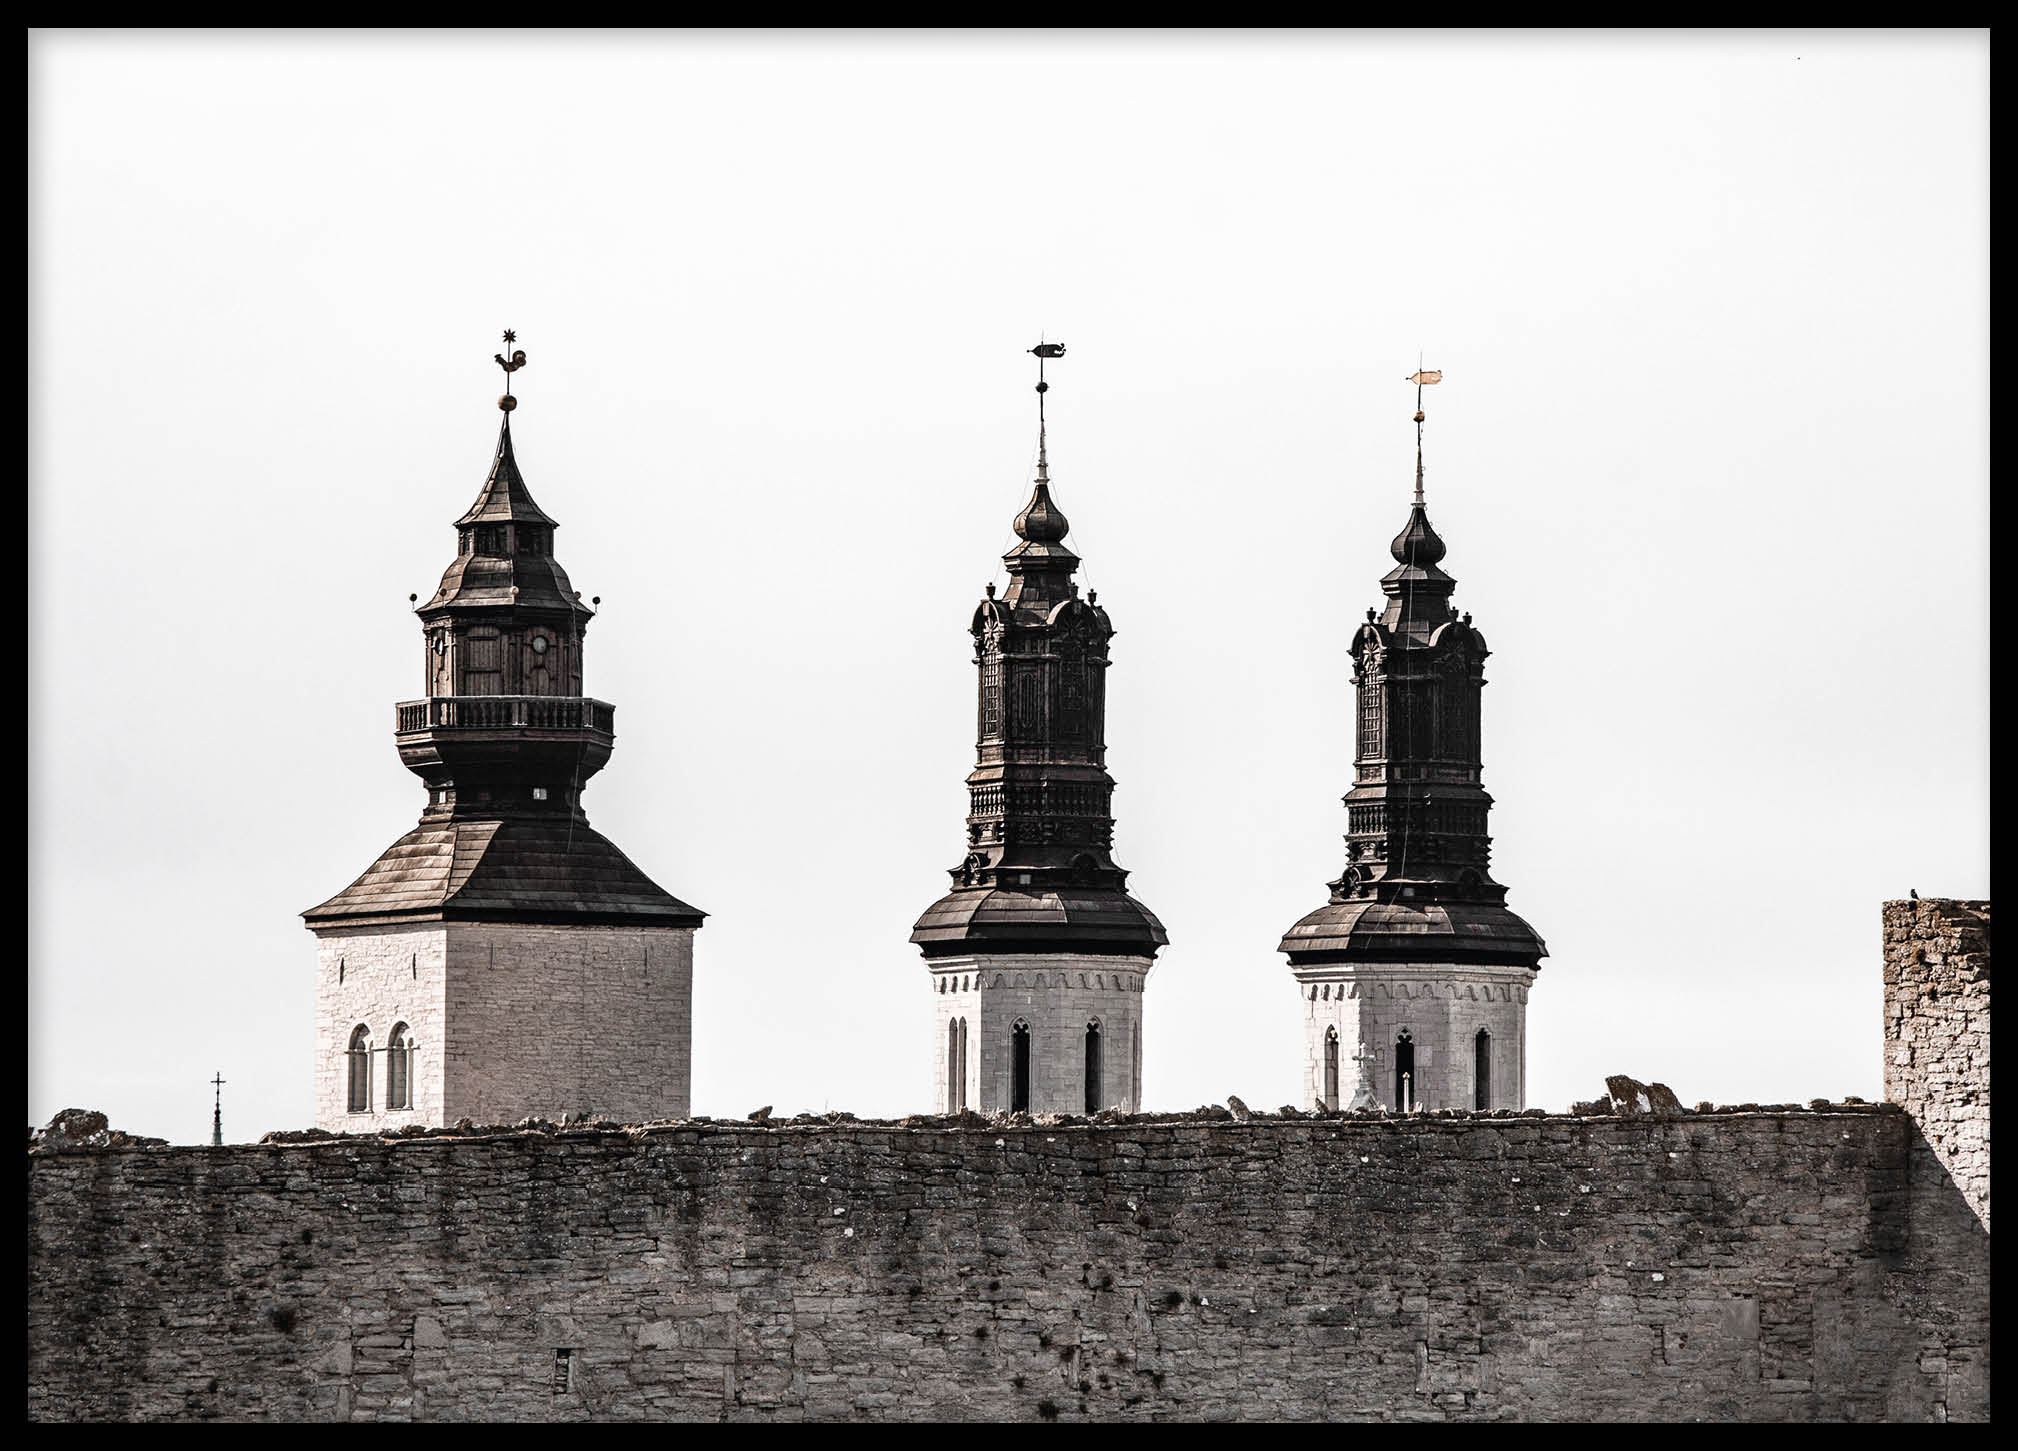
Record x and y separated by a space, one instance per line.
360 1069
1405 1094
1093 1104
960 1078
1331 1068
399 1068
952 1065
564 1372
1019 1068
1481 1070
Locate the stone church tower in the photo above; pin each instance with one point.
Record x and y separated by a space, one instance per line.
502 959
1038 955
1415 973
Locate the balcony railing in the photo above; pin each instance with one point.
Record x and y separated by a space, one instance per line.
502 712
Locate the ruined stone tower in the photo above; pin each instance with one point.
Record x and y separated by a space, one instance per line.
1415 968
1038 955
502 959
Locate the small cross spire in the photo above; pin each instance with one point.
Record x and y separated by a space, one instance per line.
217 1112
1362 1097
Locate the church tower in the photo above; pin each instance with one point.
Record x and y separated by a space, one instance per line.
1414 976
502 959
1038 955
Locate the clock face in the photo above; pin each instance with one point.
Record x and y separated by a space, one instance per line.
539 644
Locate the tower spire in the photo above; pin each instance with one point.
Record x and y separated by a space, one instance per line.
217 1112
1041 352
1037 894
1421 377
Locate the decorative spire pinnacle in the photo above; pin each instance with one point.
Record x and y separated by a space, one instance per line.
1041 352
1420 377
1041 521
518 360
217 1113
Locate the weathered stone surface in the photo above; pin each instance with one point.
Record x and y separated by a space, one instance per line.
1779 1266
84 1128
1785 1265
1937 1033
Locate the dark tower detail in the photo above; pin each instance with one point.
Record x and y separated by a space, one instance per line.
1417 883
1038 944
1039 873
504 740
502 958
1416 959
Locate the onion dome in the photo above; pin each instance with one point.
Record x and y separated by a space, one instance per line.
1417 543
1041 522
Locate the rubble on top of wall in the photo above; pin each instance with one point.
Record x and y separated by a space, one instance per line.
84 1128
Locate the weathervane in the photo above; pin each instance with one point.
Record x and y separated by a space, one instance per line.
518 360
1043 351
1420 377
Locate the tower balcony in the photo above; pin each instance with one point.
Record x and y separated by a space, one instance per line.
506 712
538 739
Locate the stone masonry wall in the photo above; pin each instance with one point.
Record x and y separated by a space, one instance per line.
1758 1266
378 978
1057 995
1937 1033
551 1021
1441 1006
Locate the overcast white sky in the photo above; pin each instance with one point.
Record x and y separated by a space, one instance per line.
1711 457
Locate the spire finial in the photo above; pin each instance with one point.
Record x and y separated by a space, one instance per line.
1420 377
1042 351
518 360
217 1113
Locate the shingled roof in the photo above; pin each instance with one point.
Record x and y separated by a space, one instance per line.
518 869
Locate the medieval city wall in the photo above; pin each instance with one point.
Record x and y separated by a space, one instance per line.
1756 1264
1763 1266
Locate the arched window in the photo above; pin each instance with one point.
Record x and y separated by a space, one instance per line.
1093 1104
1405 1095
1481 1070
1331 1068
1019 1067
359 1058
399 1068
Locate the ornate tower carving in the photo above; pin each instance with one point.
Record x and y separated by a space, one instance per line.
502 959
1038 955
1416 958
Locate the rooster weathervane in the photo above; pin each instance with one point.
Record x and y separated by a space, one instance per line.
518 360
